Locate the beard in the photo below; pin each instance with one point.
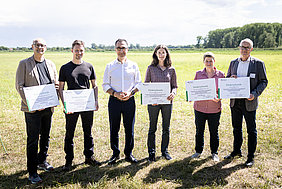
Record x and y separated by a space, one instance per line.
78 57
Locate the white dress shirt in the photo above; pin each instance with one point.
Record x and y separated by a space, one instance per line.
243 67
121 77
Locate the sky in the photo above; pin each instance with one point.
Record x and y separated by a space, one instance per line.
144 22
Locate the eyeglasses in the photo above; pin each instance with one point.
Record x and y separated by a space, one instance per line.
121 48
245 48
39 45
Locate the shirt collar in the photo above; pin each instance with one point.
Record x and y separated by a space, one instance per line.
118 62
247 61
205 73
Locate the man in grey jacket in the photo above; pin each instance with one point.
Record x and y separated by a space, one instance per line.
246 66
33 71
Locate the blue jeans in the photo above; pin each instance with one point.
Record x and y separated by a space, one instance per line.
117 108
87 123
153 111
37 124
213 123
237 113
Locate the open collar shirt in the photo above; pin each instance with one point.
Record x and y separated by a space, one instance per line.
121 77
243 67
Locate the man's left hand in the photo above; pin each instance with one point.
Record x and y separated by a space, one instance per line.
252 97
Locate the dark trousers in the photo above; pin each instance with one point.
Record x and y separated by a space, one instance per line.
237 113
37 124
153 116
213 123
87 123
117 108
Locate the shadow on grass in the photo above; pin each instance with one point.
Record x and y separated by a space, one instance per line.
185 173
84 176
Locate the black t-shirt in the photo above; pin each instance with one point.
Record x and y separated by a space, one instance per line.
77 76
43 73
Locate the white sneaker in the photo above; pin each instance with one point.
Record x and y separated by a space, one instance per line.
196 155
215 157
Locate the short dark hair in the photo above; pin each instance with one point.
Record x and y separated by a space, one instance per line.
167 61
119 41
77 42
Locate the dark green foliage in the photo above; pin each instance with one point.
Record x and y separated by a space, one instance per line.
264 35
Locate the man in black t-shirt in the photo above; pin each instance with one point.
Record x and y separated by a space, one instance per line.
78 75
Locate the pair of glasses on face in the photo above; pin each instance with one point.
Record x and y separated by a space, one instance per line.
245 48
121 48
39 45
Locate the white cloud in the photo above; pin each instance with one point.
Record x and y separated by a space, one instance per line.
145 22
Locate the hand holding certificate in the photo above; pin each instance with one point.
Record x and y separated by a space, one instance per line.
41 96
203 89
79 100
155 93
234 87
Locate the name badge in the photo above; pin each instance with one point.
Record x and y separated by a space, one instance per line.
252 75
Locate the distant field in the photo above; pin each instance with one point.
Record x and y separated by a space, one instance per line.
179 172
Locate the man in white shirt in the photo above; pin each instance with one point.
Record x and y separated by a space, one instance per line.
246 66
121 78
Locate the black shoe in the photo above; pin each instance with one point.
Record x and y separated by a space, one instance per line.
45 166
131 159
250 162
67 166
92 161
152 157
113 159
166 156
232 155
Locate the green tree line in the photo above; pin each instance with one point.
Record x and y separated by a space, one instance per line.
264 35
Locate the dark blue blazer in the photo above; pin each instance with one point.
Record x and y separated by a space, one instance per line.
258 81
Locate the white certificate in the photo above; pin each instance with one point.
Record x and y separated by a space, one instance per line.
41 96
234 87
202 89
155 93
79 100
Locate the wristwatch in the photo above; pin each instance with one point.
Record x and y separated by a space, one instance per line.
132 93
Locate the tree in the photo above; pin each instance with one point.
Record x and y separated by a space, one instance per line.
93 46
269 41
199 39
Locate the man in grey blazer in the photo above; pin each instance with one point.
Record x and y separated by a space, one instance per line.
33 71
246 66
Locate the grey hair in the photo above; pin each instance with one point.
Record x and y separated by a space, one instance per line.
247 40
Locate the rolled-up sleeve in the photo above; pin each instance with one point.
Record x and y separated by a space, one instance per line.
138 80
106 80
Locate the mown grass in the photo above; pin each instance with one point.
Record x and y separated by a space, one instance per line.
182 171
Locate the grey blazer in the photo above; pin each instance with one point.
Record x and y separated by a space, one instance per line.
27 76
258 81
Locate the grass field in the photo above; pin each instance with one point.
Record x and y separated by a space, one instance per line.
182 171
